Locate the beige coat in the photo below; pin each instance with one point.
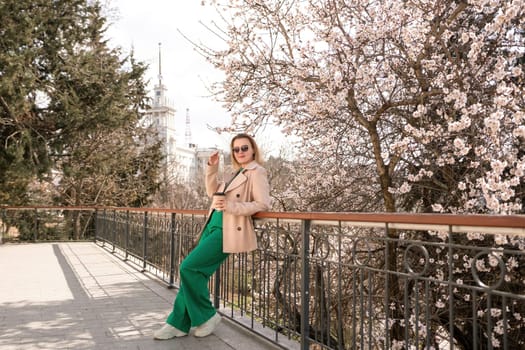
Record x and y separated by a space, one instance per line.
247 194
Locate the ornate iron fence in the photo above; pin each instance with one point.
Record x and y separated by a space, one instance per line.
375 283
349 280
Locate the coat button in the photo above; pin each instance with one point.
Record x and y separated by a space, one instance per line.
238 195
238 228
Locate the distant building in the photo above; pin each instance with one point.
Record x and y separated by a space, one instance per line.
183 161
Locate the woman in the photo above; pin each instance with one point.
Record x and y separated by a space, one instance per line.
228 230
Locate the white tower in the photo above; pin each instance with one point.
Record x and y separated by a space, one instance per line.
162 117
187 133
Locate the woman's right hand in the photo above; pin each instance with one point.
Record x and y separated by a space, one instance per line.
218 201
214 158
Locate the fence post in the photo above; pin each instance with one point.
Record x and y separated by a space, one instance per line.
127 236
172 250
144 242
217 289
104 224
95 225
114 226
305 285
35 235
4 224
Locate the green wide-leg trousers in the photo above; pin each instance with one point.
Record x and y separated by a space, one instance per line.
192 305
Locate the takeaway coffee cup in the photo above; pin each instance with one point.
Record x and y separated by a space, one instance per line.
218 195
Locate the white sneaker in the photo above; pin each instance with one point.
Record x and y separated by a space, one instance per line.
167 332
208 327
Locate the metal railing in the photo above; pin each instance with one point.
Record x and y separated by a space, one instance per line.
348 280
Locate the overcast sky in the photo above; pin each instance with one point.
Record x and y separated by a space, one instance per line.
142 25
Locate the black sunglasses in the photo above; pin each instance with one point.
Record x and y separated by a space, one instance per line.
244 148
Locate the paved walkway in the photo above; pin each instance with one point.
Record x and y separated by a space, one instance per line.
79 296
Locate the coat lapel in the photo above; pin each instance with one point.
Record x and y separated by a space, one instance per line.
237 181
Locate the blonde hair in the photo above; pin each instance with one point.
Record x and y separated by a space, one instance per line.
256 153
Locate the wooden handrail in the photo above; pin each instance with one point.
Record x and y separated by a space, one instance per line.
474 220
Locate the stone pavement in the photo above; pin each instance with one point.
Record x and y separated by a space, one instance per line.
76 295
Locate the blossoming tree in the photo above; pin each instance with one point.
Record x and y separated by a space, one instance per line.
414 105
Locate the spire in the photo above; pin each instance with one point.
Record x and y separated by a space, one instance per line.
160 66
187 133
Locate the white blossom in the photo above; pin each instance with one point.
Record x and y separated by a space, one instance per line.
436 207
493 261
461 147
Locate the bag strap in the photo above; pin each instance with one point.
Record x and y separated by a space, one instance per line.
234 176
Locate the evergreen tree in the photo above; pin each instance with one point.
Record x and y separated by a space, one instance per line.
71 104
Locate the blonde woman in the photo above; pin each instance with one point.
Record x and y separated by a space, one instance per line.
229 230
